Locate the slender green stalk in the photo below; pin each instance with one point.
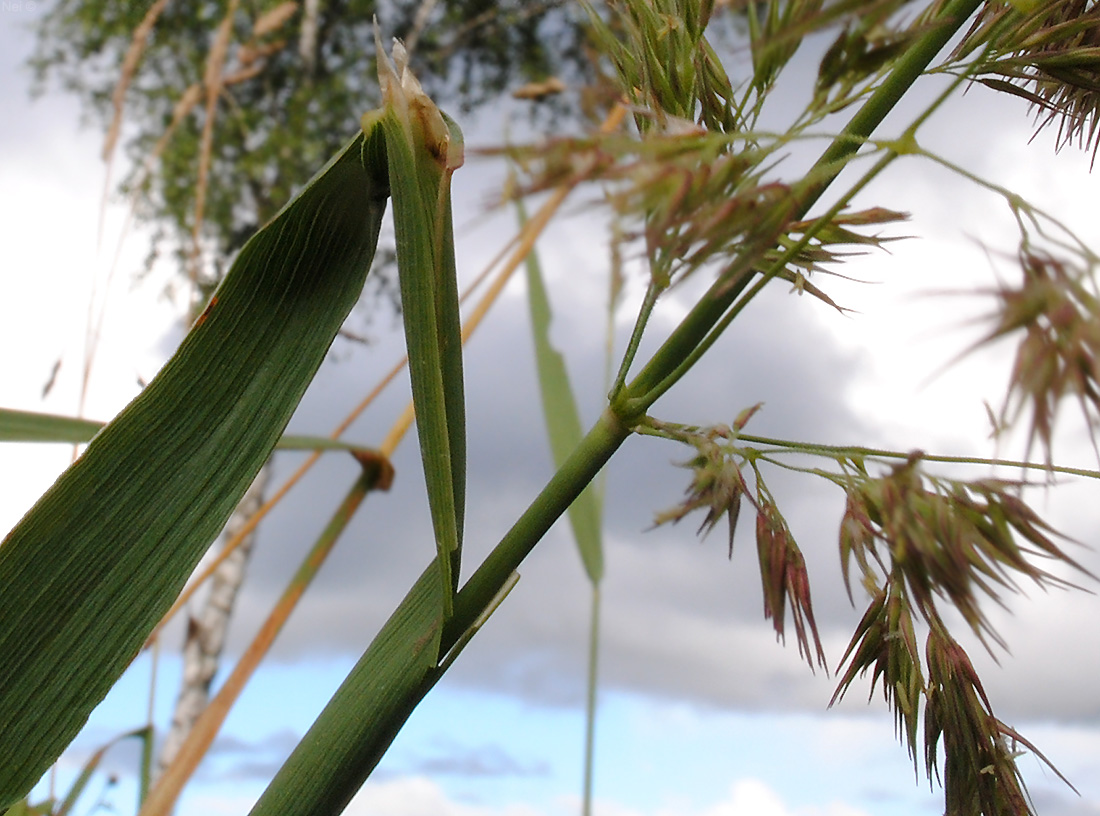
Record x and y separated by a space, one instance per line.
654 378
858 452
652 292
582 466
590 700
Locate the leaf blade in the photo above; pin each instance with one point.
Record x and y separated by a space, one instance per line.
96 562
563 421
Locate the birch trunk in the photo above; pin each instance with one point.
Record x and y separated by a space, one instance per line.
206 630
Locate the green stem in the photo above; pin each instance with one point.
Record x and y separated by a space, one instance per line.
590 701
856 452
582 466
666 365
652 292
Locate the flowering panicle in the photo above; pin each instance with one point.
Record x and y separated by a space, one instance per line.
664 63
784 578
1058 318
979 771
944 539
698 198
873 34
820 244
919 541
885 643
716 486
719 486
692 197
1047 52
776 29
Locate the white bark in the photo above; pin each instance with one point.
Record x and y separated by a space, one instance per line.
206 630
307 34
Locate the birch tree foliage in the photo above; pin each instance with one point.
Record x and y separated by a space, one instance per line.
285 78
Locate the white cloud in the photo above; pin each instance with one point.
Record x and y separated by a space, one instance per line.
751 797
418 796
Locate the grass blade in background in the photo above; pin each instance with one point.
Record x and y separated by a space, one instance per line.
563 420
563 427
51 807
97 561
145 734
31 426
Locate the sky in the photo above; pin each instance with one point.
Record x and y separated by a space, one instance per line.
702 713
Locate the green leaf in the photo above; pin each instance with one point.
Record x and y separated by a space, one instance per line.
364 715
563 420
89 571
424 148
30 426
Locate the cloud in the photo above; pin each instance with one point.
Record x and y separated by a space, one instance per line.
1051 803
678 618
417 796
750 797
481 761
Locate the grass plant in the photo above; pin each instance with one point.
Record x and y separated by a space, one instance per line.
696 189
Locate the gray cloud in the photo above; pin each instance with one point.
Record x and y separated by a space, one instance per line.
678 619
235 760
474 761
